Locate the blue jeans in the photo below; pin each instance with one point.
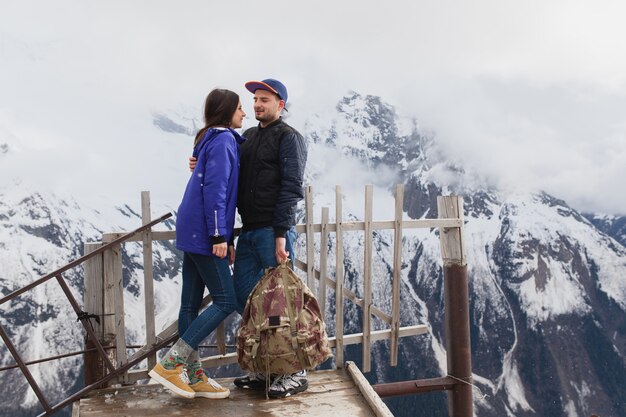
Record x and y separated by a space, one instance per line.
256 251
214 273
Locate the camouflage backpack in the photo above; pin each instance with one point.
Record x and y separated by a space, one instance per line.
282 330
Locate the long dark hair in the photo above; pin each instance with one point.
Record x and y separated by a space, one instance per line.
219 107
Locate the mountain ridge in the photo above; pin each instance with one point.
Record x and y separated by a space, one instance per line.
547 305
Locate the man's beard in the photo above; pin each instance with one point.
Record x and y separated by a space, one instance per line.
265 117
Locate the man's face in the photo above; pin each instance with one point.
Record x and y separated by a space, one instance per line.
267 106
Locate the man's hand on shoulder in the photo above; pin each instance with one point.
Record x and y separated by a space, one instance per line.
192 163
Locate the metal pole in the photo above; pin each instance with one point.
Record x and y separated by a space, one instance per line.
456 302
393 389
83 258
25 371
79 394
458 339
85 322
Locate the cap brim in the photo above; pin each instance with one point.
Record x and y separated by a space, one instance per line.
252 86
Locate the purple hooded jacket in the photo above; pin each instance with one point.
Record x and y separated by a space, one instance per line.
206 214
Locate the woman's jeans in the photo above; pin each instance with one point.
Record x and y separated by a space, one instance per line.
214 273
256 251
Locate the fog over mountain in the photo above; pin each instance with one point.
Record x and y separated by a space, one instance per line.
548 320
529 95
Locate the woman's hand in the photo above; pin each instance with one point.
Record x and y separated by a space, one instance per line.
220 250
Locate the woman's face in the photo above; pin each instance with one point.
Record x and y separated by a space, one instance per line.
238 116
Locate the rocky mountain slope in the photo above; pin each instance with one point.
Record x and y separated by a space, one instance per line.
548 303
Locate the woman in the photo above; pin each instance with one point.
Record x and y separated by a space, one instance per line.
204 230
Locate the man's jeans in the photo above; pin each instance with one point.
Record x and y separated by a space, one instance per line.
256 251
214 273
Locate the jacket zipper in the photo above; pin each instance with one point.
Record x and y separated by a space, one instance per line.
217 232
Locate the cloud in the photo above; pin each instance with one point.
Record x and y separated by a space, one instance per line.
527 92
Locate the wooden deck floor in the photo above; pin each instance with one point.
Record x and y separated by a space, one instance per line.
330 393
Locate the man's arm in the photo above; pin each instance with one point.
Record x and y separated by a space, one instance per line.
293 155
281 254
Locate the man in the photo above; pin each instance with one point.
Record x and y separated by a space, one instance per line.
272 163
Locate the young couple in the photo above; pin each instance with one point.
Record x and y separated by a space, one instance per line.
261 174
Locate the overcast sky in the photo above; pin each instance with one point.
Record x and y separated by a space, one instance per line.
532 94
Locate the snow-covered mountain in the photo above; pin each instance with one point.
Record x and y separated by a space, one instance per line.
547 294
548 300
40 233
614 226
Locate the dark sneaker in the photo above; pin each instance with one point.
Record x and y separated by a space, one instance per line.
253 381
288 385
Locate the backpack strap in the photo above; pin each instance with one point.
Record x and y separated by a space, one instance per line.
257 343
292 317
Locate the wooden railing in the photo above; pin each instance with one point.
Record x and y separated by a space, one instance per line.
104 289
106 359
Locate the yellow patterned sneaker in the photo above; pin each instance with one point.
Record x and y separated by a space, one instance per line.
175 380
208 388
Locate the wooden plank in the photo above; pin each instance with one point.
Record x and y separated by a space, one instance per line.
339 268
431 223
377 405
108 300
377 335
323 260
395 280
384 225
316 228
452 239
76 409
148 277
93 303
310 238
114 302
367 277
332 392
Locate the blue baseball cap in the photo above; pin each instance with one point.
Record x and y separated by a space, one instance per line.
269 84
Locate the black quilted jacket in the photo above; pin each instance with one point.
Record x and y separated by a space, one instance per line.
272 161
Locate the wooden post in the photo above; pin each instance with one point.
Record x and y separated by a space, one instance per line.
148 277
114 328
367 278
323 260
456 299
396 276
93 304
339 278
310 239
376 404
